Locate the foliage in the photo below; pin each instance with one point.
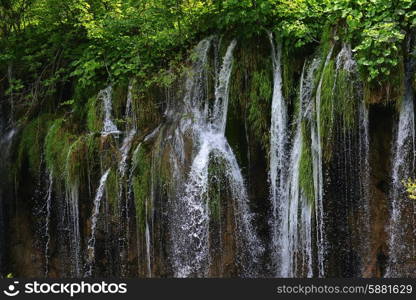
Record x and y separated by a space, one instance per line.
378 29
48 43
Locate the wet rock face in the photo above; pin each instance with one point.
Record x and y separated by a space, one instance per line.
381 132
170 214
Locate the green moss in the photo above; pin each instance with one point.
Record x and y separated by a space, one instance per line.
306 165
58 142
326 41
31 143
81 158
141 185
327 108
345 98
145 108
81 97
112 190
94 115
251 89
75 166
259 106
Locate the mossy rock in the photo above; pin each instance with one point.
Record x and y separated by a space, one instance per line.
57 144
94 115
141 183
30 147
306 166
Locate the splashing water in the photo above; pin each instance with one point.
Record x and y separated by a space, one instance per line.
191 245
124 150
293 228
106 96
278 141
219 117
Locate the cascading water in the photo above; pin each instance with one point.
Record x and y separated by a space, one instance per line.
6 140
124 199
351 157
191 245
293 251
47 222
106 96
72 209
278 176
318 177
125 150
94 219
402 229
192 214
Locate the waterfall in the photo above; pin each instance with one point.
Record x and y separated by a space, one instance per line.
72 200
186 245
288 236
191 244
106 96
353 163
292 213
307 205
292 226
124 150
6 141
124 200
281 238
219 118
318 174
402 229
278 142
364 180
47 223
301 208
129 108
94 219
148 261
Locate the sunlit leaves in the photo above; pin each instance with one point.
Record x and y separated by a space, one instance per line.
377 29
